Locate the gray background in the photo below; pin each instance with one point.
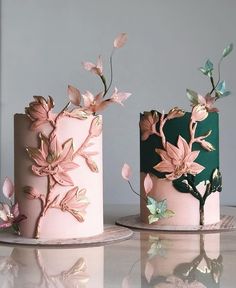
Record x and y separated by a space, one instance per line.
44 41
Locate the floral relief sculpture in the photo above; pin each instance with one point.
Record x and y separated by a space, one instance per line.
54 159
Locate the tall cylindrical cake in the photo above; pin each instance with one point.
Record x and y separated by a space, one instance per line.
58 175
180 153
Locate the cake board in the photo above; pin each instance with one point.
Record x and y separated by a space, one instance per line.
226 223
112 233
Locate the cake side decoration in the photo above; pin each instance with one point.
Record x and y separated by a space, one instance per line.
9 213
157 209
180 151
64 149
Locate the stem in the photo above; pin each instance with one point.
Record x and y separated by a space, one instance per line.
131 187
192 130
59 114
104 84
44 208
201 214
111 71
162 135
212 81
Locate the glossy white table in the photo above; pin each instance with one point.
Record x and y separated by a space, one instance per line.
148 259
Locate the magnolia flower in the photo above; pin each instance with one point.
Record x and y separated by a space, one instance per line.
75 202
53 159
94 103
199 113
39 111
119 97
147 124
208 101
178 161
94 68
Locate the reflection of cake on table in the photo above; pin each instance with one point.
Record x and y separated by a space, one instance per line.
58 163
181 260
28 267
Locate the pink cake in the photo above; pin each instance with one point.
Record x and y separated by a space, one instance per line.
66 186
58 163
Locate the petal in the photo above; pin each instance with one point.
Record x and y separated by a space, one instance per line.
96 127
63 179
183 146
5 224
3 214
148 183
126 172
74 95
67 151
92 165
69 195
149 270
173 152
15 210
38 171
99 64
88 99
37 155
88 65
67 166
145 135
8 188
191 157
201 99
195 168
120 40
164 166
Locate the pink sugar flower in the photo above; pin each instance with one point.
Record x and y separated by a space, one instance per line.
147 124
75 202
9 214
94 68
208 101
54 160
119 97
199 113
39 111
94 103
178 161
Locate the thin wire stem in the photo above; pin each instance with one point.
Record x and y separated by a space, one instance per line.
131 187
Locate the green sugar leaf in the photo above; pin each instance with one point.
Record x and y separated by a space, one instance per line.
227 50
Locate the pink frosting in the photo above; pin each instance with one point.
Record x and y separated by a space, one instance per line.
58 223
184 205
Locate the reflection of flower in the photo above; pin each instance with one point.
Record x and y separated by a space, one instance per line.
147 124
54 160
39 111
75 202
175 282
9 269
9 214
178 160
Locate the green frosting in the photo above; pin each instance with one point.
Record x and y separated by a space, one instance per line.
180 126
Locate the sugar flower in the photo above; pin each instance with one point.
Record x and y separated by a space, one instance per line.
94 68
147 124
199 113
54 160
39 111
178 161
